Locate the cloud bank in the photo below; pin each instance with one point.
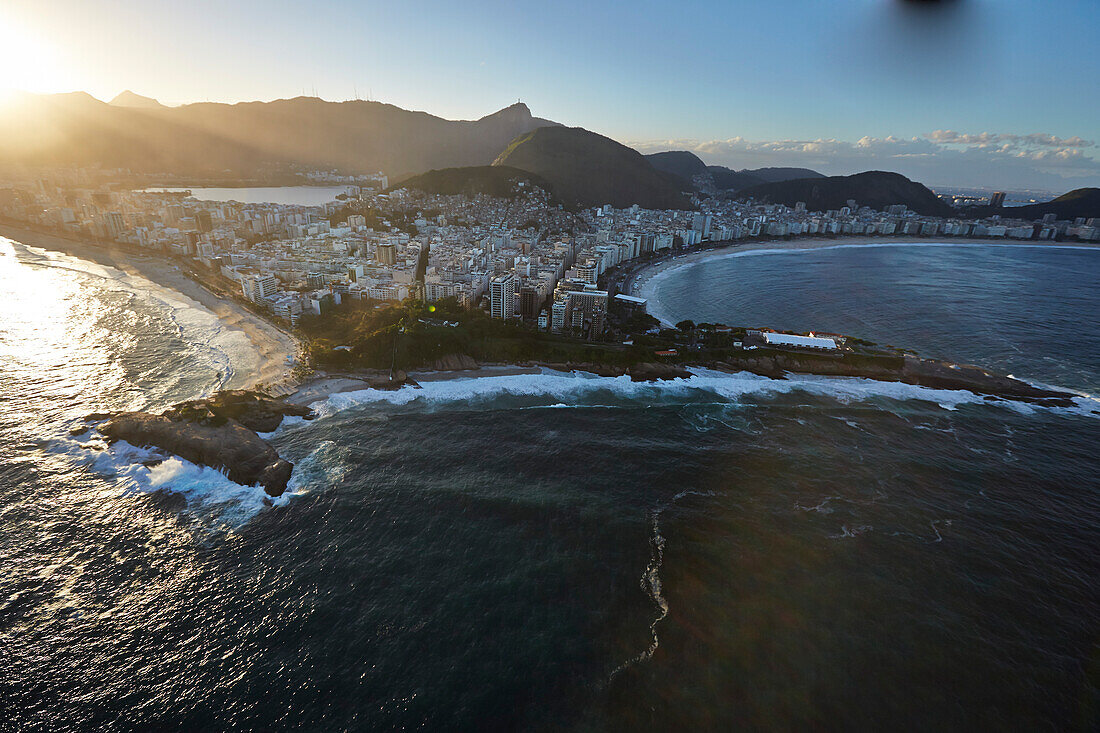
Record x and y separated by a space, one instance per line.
937 158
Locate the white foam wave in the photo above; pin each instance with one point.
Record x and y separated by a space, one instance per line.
557 389
651 579
847 532
210 497
324 465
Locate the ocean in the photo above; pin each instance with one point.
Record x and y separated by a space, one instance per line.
567 552
285 195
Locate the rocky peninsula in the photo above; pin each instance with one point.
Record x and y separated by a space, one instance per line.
221 432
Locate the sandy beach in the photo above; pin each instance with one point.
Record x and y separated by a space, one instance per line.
274 346
645 281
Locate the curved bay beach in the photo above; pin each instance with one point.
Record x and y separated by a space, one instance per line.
275 349
644 280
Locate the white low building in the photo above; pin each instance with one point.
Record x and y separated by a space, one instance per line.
804 342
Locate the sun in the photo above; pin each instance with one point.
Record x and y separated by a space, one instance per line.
28 63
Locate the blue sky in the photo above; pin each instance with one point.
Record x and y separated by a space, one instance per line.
778 82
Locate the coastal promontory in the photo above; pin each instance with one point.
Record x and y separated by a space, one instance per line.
220 432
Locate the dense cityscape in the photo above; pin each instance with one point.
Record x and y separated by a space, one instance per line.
516 258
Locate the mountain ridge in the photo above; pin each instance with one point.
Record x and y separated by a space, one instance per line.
355 136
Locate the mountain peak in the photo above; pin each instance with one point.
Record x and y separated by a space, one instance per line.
517 111
130 99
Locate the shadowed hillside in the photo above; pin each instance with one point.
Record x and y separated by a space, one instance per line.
876 189
1080 202
586 169
775 175
499 181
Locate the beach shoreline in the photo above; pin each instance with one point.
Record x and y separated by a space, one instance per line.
643 282
278 350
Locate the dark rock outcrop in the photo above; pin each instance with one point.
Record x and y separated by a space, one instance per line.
454 363
649 371
219 432
945 375
253 410
397 380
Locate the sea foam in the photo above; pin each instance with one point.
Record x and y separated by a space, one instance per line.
560 389
211 498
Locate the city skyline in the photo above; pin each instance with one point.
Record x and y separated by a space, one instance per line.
963 93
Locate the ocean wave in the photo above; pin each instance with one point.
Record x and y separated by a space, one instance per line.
214 501
557 389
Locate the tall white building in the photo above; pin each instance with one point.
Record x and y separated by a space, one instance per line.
259 287
502 296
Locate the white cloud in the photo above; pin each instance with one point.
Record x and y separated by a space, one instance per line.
942 157
989 139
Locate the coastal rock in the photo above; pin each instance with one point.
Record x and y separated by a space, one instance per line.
254 410
454 363
650 371
219 432
945 375
399 379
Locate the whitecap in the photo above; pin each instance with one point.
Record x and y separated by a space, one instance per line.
556 389
211 497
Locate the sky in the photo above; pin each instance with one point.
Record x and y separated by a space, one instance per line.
996 93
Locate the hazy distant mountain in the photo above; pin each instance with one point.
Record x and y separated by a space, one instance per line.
129 99
500 181
877 189
1080 202
241 139
687 166
726 179
774 175
587 169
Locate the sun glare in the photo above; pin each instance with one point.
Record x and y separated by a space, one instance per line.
28 63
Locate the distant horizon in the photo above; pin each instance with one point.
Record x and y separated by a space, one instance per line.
961 93
793 154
